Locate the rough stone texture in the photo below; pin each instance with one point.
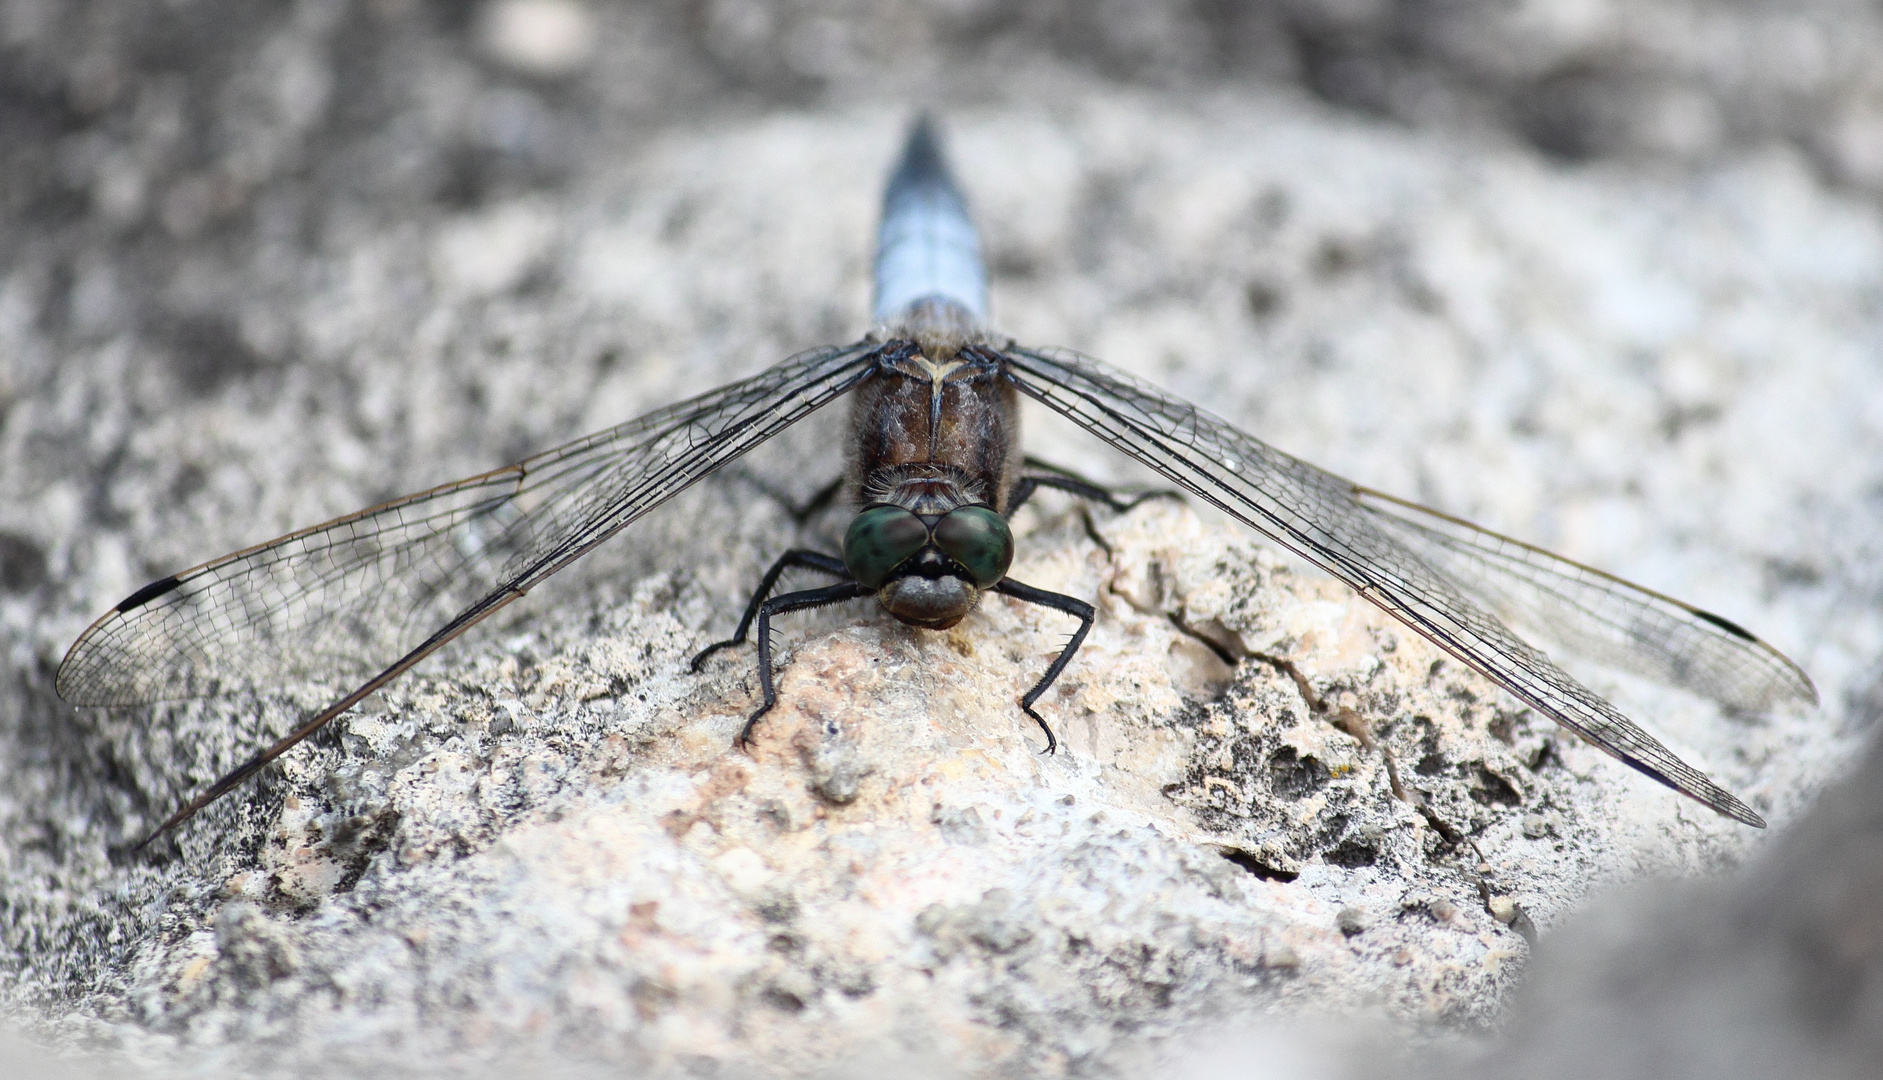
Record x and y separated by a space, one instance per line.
265 266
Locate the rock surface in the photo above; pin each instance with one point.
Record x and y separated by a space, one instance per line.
360 251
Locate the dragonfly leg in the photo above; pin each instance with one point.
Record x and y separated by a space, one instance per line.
823 498
779 605
800 512
795 558
1085 489
1073 606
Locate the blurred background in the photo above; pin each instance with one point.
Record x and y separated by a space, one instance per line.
1603 273
177 116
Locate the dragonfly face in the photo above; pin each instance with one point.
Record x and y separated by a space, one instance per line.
928 569
934 472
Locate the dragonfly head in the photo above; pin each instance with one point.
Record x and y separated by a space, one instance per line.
928 570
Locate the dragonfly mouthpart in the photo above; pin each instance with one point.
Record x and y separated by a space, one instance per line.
932 603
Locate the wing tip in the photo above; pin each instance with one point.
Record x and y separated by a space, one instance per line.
1732 807
1803 689
1698 787
70 682
1789 685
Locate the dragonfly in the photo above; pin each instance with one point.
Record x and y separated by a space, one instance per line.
935 475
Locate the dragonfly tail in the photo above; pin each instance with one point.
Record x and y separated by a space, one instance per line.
927 247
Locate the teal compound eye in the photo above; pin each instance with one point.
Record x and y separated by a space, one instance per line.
879 540
979 540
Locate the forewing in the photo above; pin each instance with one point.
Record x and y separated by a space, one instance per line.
1598 615
386 585
1319 516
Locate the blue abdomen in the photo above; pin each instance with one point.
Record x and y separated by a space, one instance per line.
927 246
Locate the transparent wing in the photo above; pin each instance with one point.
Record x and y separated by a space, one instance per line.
387 585
1322 518
1598 615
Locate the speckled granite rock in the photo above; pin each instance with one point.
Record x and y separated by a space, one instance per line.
542 849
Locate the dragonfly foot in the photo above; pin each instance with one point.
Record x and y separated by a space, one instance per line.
744 739
1052 744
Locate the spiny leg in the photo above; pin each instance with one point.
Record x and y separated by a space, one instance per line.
796 558
1073 606
819 499
1085 489
779 605
800 512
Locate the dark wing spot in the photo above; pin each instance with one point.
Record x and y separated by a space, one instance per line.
148 593
1732 628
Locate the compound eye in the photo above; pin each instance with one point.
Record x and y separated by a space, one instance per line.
879 540
979 540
